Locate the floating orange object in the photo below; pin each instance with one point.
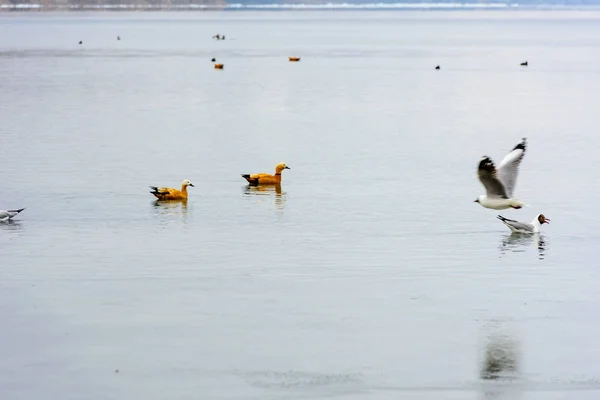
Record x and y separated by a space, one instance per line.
294 58
218 66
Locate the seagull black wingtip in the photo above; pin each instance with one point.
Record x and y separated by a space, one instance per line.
522 145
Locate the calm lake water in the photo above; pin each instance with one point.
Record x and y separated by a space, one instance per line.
371 274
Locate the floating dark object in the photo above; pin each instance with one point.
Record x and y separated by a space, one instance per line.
81 42
437 67
118 37
214 60
524 64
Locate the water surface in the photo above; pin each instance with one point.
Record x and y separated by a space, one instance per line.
370 273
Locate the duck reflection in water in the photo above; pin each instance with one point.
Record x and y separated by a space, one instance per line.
519 243
171 207
268 190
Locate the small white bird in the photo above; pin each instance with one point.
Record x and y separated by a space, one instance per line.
6 215
524 227
500 183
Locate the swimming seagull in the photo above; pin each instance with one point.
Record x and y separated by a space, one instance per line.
524 227
500 183
6 215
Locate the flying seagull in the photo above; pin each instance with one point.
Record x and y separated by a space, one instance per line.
524 227
500 183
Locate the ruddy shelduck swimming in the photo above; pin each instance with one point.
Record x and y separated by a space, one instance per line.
293 59
164 193
218 66
266 179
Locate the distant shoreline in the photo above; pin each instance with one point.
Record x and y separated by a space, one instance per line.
437 6
186 8
107 8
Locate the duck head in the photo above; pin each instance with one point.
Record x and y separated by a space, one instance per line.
280 167
187 183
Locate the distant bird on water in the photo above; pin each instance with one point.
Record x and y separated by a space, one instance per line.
165 193
6 215
118 37
214 59
218 66
524 227
264 178
81 42
500 183
524 64
437 67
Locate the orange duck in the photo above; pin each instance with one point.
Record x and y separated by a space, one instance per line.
218 66
294 59
164 193
266 179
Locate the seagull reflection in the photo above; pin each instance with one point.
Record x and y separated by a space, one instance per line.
171 207
10 225
268 190
499 374
519 243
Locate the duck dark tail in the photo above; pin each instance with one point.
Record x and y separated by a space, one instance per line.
251 181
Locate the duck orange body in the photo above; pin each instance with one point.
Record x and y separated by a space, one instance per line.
266 179
164 193
294 59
